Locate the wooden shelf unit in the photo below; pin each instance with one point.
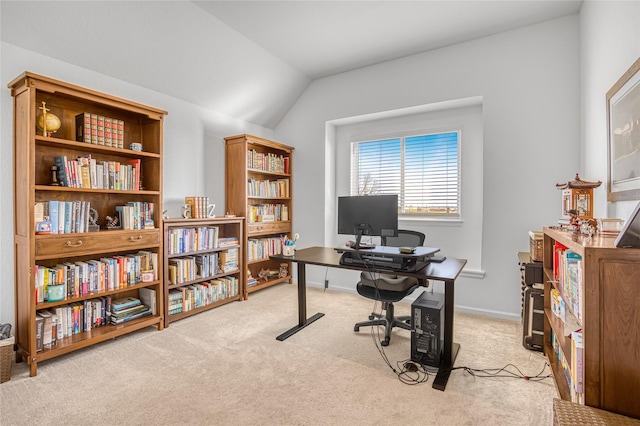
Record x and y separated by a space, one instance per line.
227 227
33 157
240 201
610 320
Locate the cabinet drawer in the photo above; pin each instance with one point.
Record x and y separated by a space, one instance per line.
81 244
266 228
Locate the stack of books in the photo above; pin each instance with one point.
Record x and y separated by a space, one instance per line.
175 302
127 309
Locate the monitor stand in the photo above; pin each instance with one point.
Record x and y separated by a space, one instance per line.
359 245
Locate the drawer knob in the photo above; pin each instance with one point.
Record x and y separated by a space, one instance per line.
70 244
132 238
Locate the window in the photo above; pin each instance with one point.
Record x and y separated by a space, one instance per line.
423 170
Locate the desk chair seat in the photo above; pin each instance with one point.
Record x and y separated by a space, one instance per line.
389 288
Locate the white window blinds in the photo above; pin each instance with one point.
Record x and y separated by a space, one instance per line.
423 170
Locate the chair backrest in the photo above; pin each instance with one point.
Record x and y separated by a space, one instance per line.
405 238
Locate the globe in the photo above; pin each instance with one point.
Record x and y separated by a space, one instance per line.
53 122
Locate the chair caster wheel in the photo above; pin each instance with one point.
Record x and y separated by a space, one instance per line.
385 343
371 317
356 328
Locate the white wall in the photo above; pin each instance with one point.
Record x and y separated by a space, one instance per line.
529 82
464 234
193 146
609 45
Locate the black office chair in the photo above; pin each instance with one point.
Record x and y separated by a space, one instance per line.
388 288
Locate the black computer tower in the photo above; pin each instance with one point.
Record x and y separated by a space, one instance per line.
427 333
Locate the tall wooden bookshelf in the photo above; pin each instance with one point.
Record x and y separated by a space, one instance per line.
34 154
197 278
605 305
259 183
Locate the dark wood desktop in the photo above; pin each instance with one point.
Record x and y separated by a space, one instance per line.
446 271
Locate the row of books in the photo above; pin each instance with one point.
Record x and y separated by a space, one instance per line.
64 217
199 207
259 212
89 173
81 278
268 188
262 248
194 296
567 269
136 215
64 321
572 364
268 162
227 242
99 130
187 240
190 268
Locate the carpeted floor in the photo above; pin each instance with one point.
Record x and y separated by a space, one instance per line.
225 366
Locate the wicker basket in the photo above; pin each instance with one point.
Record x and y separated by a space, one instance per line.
6 358
535 245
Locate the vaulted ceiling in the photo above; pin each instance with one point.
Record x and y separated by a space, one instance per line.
252 59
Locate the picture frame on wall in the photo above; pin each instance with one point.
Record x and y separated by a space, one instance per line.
623 136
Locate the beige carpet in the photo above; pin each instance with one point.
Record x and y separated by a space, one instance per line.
226 367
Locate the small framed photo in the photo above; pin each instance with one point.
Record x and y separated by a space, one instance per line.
623 136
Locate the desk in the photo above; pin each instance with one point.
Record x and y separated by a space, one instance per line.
446 271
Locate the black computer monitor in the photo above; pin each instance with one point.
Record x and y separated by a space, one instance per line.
375 215
630 234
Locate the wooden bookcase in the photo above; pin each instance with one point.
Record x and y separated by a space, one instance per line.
610 320
188 239
33 157
253 162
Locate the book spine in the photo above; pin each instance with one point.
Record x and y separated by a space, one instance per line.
53 215
108 131
100 123
61 163
94 129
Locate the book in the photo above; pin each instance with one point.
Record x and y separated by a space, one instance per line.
83 127
127 302
148 297
120 138
94 129
53 215
62 207
129 318
129 311
46 333
39 333
108 131
38 212
100 122
577 362
61 163
67 216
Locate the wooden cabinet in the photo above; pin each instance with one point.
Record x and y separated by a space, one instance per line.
259 186
606 307
135 249
203 265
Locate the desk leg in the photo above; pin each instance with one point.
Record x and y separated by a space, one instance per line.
302 305
450 349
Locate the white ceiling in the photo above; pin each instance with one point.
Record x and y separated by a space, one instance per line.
252 59
321 38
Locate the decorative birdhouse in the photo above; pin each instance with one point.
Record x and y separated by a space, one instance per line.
577 195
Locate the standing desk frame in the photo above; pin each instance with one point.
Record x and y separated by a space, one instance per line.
446 271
